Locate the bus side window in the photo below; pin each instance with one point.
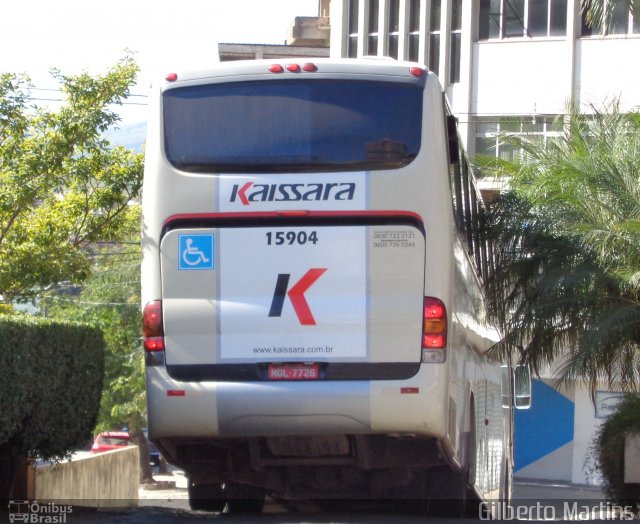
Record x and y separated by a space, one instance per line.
467 203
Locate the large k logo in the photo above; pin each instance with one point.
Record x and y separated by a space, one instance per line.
296 295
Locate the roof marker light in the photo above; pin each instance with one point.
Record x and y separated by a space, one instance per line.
171 77
417 71
293 68
276 68
309 67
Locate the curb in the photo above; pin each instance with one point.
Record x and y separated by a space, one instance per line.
159 485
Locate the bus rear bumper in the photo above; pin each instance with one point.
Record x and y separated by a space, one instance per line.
416 406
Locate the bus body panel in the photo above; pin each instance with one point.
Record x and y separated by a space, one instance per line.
231 409
393 230
361 294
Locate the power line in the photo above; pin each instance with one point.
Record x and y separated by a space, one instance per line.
39 98
61 100
85 303
58 90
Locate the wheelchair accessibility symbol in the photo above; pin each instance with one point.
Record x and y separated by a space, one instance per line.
195 251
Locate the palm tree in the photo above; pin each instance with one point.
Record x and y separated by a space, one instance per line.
566 289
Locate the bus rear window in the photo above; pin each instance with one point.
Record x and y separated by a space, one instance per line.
292 126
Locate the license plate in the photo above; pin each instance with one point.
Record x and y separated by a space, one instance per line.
294 372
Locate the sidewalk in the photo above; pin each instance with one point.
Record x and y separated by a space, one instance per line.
171 490
549 490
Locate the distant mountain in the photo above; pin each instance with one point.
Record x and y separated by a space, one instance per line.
131 136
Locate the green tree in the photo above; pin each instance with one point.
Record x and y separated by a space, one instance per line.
566 289
110 299
62 185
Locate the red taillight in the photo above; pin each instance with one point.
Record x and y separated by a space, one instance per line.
434 333
152 327
154 344
152 319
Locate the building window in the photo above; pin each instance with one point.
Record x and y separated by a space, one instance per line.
393 28
489 130
513 18
352 37
622 21
414 30
522 18
456 41
372 28
434 37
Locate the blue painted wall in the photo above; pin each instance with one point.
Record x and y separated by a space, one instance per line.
545 427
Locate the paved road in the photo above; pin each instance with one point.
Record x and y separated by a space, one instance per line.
168 506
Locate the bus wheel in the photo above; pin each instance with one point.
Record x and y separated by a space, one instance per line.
242 498
206 497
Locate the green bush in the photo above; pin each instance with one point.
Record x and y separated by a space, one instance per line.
50 388
609 446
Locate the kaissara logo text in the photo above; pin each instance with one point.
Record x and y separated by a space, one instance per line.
251 192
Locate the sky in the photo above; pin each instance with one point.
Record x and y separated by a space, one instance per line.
164 35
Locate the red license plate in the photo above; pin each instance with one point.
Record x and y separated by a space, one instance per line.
294 372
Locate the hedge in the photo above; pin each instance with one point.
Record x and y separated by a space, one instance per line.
609 446
52 374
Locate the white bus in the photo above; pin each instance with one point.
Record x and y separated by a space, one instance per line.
313 314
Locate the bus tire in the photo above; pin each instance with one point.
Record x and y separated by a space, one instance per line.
450 489
242 498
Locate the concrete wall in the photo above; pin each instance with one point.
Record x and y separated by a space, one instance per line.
102 480
521 77
604 70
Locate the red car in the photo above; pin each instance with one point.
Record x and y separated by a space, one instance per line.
110 440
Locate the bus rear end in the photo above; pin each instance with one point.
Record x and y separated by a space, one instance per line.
294 286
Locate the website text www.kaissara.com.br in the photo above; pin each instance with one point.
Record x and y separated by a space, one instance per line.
292 350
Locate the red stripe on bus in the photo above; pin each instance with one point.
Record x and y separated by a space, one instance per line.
284 213
176 392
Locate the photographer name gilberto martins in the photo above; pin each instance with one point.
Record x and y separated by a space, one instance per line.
560 510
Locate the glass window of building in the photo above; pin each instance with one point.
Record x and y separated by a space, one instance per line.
414 30
372 27
456 41
490 129
621 21
434 37
522 18
352 38
393 27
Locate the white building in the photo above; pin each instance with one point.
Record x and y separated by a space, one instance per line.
503 63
